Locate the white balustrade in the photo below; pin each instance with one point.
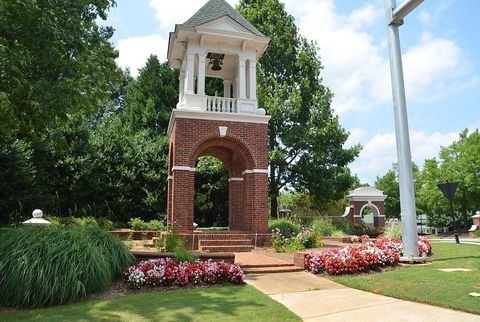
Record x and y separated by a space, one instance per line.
221 104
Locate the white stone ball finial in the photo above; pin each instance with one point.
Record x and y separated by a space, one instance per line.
37 213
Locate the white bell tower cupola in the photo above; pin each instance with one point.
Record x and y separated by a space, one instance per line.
217 42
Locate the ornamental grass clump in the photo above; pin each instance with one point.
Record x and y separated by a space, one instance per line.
166 272
51 265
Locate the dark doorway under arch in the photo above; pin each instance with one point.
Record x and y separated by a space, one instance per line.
211 193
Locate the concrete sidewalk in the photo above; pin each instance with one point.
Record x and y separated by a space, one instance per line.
318 299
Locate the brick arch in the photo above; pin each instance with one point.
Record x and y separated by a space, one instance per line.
243 150
216 146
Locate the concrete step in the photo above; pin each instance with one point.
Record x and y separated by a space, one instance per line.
271 269
227 248
224 242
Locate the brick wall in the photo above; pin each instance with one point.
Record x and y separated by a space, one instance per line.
245 147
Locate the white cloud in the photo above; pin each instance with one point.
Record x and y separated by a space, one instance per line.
357 67
380 152
355 137
135 51
169 13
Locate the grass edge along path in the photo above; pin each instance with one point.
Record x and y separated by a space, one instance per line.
237 303
425 283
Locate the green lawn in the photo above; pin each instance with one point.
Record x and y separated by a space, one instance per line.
232 303
427 284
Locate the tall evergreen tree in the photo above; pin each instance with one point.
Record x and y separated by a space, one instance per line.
151 98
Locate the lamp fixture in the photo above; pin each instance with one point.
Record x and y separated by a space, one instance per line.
216 61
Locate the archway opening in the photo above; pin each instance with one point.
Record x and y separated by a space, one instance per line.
211 208
368 212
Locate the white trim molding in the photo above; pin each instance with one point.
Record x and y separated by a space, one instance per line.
170 178
235 180
183 168
215 116
265 171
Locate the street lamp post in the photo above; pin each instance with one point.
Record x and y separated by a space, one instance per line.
395 17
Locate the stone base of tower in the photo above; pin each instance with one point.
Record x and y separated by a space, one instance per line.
241 143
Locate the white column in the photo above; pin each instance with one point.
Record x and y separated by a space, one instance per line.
201 74
241 78
253 79
181 86
235 88
190 77
227 88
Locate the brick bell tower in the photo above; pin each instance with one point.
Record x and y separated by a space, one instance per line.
218 42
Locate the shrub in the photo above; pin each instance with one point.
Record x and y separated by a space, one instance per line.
137 224
287 227
140 224
183 255
156 225
342 225
173 240
309 238
55 265
362 229
476 234
394 231
80 222
116 253
166 272
324 227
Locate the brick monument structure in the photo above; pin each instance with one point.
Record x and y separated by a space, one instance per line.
218 42
362 198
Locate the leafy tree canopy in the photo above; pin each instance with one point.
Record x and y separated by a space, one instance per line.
54 60
306 139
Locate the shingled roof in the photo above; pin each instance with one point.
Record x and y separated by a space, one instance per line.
215 9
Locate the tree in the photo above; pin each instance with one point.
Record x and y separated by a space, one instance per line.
388 183
211 193
459 163
151 98
306 140
54 61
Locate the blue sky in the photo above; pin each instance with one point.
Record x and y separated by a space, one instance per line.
441 55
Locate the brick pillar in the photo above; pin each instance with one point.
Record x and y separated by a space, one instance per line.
260 203
183 200
169 199
248 192
378 222
235 194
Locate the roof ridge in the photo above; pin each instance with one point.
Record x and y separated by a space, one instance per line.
215 9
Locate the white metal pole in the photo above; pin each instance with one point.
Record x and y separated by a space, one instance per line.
407 193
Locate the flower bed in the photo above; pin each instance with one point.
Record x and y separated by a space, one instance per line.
166 272
367 257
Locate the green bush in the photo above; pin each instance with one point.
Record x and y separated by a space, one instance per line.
139 224
156 225
181 254
341 224
287 227
309 238
394 231
324 227
54 265
477 234
80 222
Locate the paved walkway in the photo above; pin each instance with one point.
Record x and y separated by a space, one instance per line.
318 299
251 258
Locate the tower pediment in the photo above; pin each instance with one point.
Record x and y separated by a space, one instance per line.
225 23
